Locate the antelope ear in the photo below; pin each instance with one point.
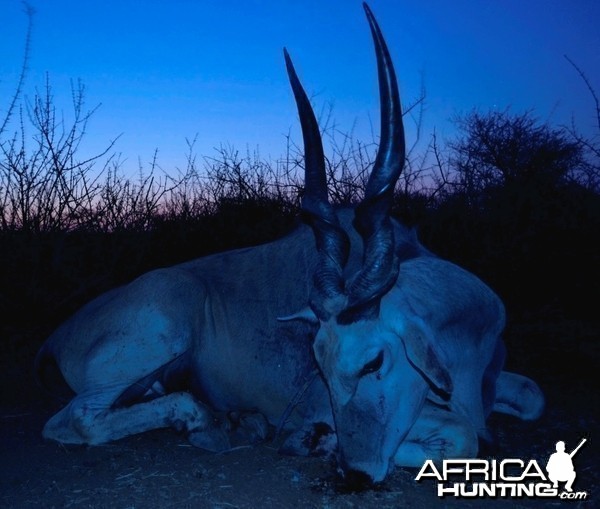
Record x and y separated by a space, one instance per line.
305 314
420 352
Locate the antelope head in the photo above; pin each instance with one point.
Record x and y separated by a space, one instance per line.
375 390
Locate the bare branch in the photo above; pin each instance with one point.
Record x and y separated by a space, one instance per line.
589 87
29 12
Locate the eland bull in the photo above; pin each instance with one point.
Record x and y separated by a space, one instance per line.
347 334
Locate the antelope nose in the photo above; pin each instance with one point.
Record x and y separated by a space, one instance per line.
355 480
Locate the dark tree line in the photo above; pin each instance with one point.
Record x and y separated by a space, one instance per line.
515 206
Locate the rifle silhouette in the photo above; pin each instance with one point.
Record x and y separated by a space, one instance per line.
574 451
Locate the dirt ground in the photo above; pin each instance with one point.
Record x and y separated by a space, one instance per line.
161 470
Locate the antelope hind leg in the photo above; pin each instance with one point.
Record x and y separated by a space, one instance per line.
90 419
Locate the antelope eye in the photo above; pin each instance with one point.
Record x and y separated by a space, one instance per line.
372 366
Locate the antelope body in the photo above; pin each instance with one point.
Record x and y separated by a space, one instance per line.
347 334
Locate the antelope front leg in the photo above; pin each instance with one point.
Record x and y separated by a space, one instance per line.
519 396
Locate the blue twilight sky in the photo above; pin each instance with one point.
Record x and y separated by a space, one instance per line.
167 70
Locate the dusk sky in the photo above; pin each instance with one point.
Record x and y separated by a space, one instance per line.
164 71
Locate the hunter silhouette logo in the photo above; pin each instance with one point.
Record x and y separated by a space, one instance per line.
512 477
560 465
